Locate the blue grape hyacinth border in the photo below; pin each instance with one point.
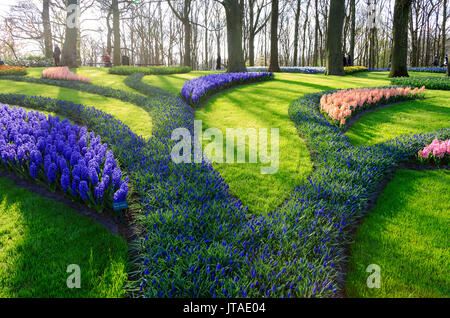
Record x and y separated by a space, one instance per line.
198 241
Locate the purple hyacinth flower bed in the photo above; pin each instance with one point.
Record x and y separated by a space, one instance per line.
195 90
60 156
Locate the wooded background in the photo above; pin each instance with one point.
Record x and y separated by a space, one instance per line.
195 33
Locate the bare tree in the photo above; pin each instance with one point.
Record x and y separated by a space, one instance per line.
335 65
47 29
184 18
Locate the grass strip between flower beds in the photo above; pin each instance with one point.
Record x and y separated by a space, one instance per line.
197 241
136 99
135 81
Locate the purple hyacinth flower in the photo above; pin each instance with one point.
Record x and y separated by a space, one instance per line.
93 176
99 191
33 170
84 190
75 184
65 180
51 172
116 176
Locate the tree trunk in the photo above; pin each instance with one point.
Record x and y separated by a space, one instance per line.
400 45
206 37
116 31
352 29
108 34
316 35
297 22
251 36
187 43
444 35
335 64
274 66
69 53
305 25
187 33
47 29
184 18
234 10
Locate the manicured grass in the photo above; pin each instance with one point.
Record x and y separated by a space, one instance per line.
39 238
173 83
402 119
265 105
132 115
98 75
406 234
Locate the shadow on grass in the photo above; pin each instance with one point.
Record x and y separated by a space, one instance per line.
40 238
405 118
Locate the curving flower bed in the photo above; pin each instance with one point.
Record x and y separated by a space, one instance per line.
63 73
343 104
196 239
135 81
137 99
437 152
292 69
12 70
60 155
196 90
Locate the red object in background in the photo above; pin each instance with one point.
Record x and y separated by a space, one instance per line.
107 60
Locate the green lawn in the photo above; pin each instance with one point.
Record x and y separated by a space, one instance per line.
402 119
98 75
173 83
133 116
40 238
265 105
406 234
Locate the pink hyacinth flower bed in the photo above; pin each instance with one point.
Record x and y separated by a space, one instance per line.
437 152
342 105
63 73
